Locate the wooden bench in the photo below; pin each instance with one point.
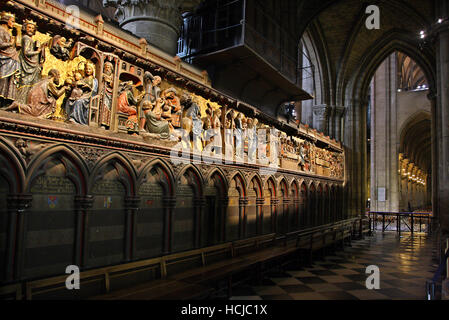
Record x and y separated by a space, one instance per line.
11 292
192 274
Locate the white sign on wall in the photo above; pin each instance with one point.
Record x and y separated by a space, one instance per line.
381 194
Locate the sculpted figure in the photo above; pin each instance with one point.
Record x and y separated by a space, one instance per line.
302 157
229 134
252 139
9 64
75 92
60 47
128 100
238 132
154 122
207 126
108 86
79 107
216 120
216 128
191 122
31 59
172 107
42 97
193 113
152 93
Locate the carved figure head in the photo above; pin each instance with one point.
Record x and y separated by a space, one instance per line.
54 73
157 80
29 27
7 19
108 68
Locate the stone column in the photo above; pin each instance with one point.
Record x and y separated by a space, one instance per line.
131 207
320 118
443 143
259 218
285 214
17 208
297 212
243 202
82 206
159 22
273 208
331 121
223 205
338 116
198 204
169 205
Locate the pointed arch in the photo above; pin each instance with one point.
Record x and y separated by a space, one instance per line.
126 173
271 186
219 180
165 175
294 189
12 166
194 179
283 186
76 168
258 185
240 181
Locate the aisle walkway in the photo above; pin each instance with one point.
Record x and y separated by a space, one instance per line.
405 265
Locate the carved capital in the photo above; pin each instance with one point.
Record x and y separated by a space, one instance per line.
340 111
321 111
243 202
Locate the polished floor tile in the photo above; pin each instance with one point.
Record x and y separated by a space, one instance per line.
405 263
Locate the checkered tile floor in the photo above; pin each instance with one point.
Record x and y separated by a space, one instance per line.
405 264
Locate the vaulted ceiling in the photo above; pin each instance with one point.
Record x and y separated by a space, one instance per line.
348 49
416 142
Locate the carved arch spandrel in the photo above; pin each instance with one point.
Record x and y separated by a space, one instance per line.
125 172
12 166
76 168
193 178
165 176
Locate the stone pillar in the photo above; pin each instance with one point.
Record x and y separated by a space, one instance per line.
243 202
320 118
338 116
198 204
385 137
331 121
131 207
259 218
169 205
273 208
159 22
285 214
82 206
443 128
297 212
17 207
223 205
